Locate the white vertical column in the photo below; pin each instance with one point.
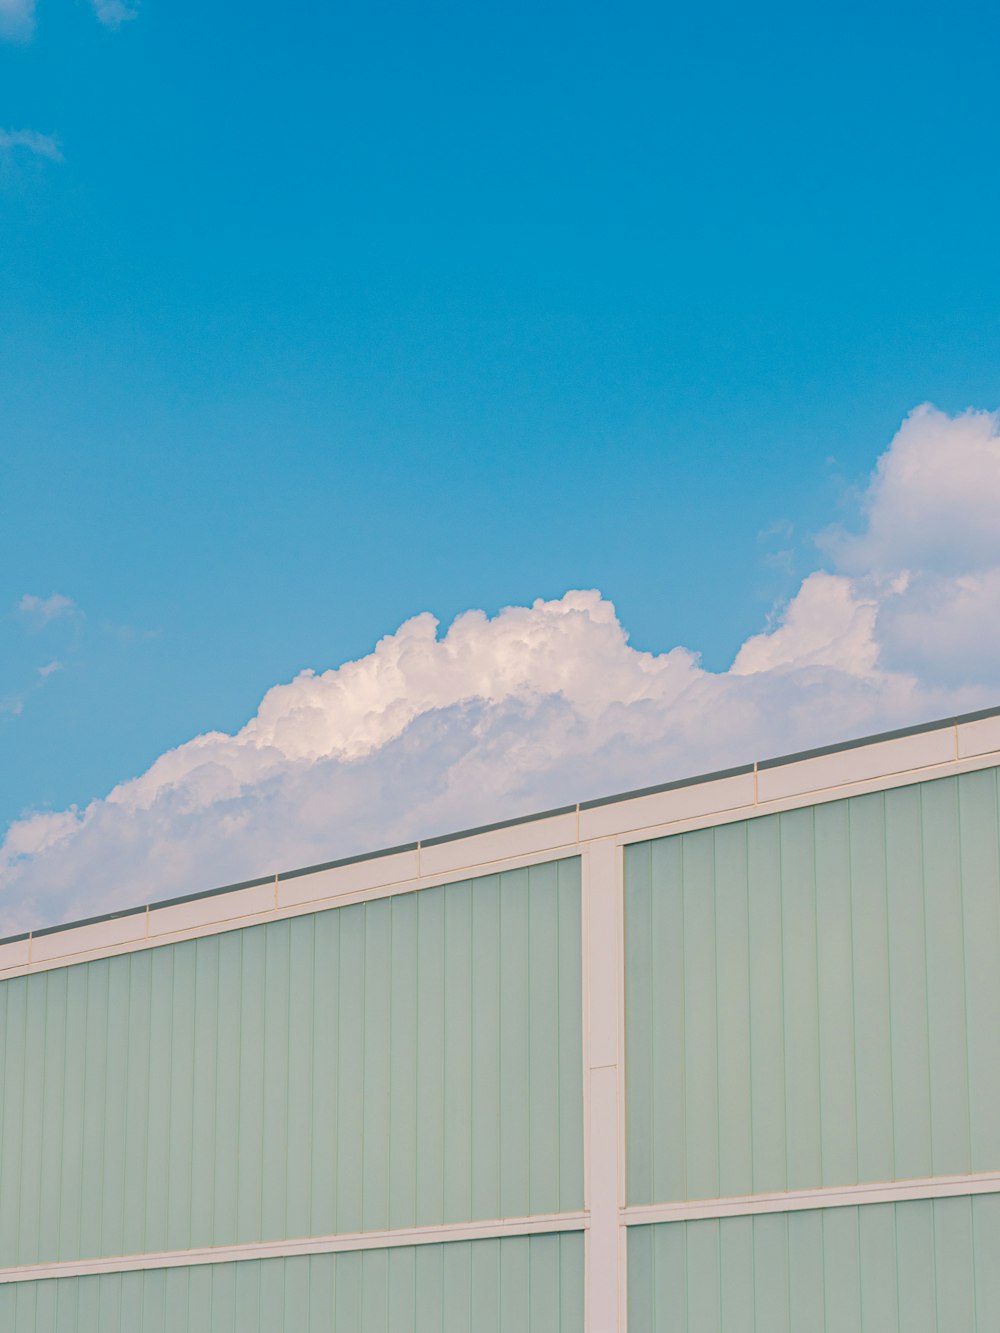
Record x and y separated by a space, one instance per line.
603 1025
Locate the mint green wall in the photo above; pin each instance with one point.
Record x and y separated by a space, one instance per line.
412 1060
813 998
916 1267
514 1285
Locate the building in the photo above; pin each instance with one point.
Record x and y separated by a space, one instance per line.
721 1055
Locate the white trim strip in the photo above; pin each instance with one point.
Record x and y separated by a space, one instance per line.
601 880
632 819
282 1249
795 1201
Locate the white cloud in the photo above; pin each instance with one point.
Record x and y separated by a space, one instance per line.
932 501
17 19
929 549
42 610
548 704
113 13
830 623
42 145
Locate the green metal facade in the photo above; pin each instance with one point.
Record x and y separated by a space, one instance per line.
810 1002
923 1266
517 1284
406 1061
813 997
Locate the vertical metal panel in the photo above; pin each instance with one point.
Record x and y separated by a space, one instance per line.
515 1024
701 1056
112 1196
52 1111
921 1266
458 1048
204 1066
511 1285
70 1199
299 1091
800 993
157 1163
325 1062
805 1276
277 1039
813 997
14 1001
486 1051
375 1099
410 1060
226 1128
835 979
543 1048
873 1058
182 1098
570 1086
733 963
979 849
767 1109
403 1125
250 1108
908 972
946 980
736 1276
33 1096
429 1160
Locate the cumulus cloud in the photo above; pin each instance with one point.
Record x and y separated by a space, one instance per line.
17 19
928 550
933 500
549 704
830 623
42 145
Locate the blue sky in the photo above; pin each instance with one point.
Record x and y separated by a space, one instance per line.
311 322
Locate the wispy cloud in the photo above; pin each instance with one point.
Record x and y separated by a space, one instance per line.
50 620
17 19
113 13
43 610
547 704
42 145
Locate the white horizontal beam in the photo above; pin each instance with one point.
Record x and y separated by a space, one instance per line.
795 1201
282 1249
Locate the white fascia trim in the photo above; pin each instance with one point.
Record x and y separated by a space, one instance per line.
812 796
543 1224
796 1201
633 819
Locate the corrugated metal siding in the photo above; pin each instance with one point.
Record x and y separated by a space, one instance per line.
916 1267
410 1060
513 1285
813 997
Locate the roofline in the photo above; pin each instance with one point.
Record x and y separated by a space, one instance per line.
757 766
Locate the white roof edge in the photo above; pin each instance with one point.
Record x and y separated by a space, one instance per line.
935 749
